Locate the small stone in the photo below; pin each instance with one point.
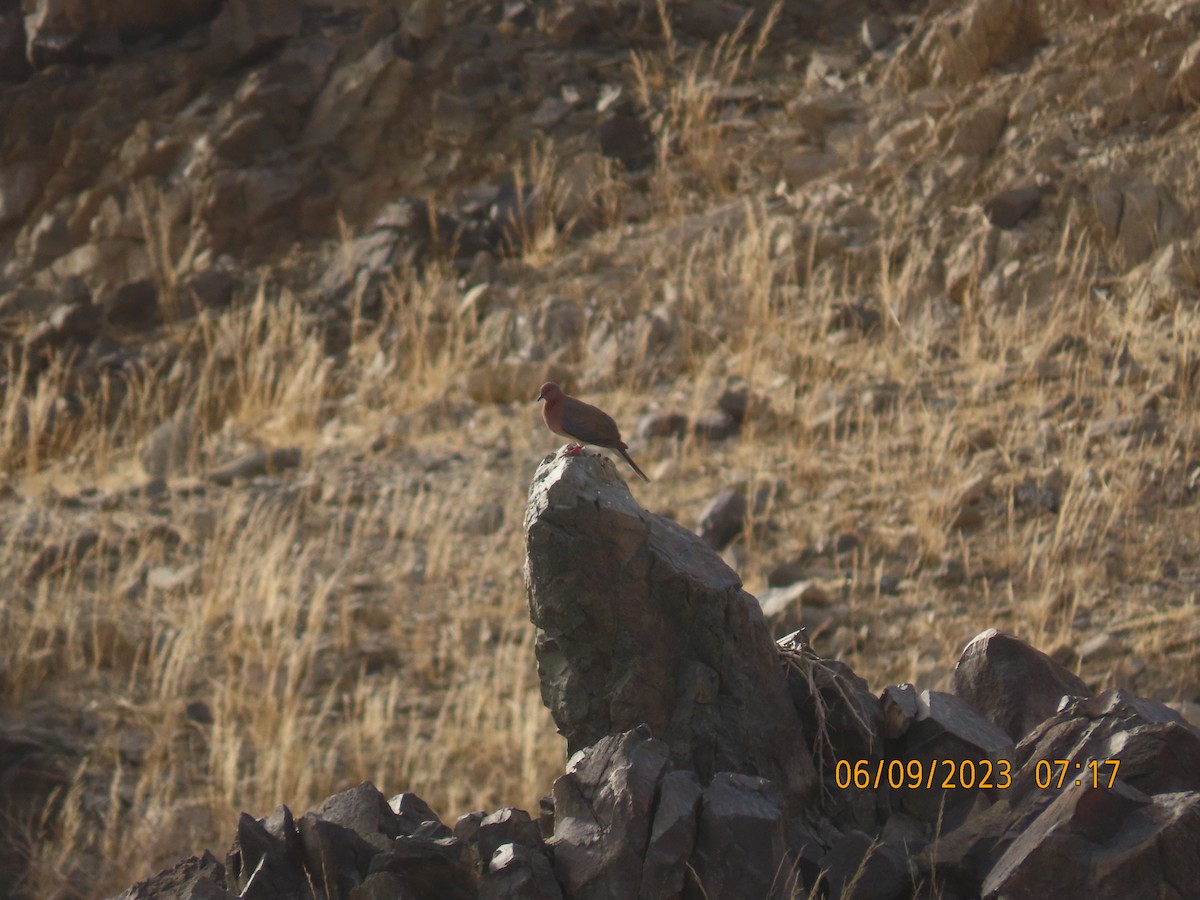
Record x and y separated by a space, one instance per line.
486 520
1007 208
876 32
661 423
723 518
715 426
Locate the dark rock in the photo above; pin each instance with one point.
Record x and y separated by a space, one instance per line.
624 136
196 878
1104 842
900 707
1012 684
256 463
49 239
507 826
14 66
741 846
335 857
432 866
209 289
672 835
83 32
603 814
876 32
860 868
715 426
75 322
947 733
723 519
365 811
639 622
247 30
132 305
1007 208
384 886
515 872
20 185
662 424
267 856
487 519
804 604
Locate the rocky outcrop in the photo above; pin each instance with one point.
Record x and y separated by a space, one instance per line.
639 622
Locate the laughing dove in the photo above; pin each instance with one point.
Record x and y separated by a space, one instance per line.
582 422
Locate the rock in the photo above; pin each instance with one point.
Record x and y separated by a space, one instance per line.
507 826
369 88
946 733
487 519
14 66
714 426
639 622
1138 215
662 424
515 872
978 440
900 706
858 867
741 846
196 878
132 305
624 136
49 239
986 33
1007 208
876 32
805 164
20 185
603 814
1186 82
974 132
803 604
256 463
169 448
1115 840
248 30
723 518
208 289
672 835
76 322
739 403
69 31
836 703
423 19
1012 684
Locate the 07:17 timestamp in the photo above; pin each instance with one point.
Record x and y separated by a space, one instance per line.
1059 772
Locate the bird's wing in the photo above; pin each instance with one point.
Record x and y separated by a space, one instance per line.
586 423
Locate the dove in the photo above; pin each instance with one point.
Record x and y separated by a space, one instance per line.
583 423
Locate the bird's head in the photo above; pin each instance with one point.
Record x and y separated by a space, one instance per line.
550 392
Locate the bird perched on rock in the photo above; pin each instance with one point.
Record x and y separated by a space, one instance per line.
583 423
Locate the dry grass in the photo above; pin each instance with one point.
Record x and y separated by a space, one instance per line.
296 636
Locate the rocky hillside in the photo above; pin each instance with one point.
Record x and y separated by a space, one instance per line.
896 304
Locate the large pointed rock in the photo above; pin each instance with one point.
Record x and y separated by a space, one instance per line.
638 621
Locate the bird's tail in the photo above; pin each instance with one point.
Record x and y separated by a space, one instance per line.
632 464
